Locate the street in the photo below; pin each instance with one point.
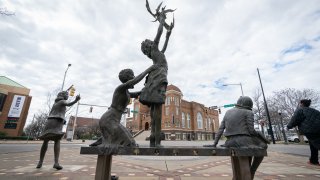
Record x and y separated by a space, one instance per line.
18 161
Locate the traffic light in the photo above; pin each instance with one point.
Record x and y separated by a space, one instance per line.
130 101
219 111
72 91
91 108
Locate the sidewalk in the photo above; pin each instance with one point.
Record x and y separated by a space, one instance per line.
63 141
21 166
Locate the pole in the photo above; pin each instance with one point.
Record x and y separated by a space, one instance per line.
235 84
267 110
75 121
241 89
64 77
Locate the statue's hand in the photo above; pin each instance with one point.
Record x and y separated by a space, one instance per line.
78 97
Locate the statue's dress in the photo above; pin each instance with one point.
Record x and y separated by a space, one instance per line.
154 91
112 130
55 121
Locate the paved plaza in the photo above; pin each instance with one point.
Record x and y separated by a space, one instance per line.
20 165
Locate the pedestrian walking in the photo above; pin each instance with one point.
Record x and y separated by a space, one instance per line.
308 121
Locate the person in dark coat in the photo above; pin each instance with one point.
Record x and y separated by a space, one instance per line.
308 121
238 127
53 127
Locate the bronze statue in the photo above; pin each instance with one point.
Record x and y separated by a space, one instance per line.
153 93
237 125
53 127
114 133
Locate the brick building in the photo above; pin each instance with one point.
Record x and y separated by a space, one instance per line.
84 127
14 106
181 119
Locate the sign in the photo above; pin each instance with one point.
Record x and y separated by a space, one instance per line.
16 106
10 126
228 105
133 111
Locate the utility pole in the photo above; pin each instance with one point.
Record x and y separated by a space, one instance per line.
267 110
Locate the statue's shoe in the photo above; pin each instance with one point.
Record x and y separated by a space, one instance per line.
114 177
98 142
39 165
57 166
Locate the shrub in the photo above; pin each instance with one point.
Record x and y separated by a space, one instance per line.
16 137
3 134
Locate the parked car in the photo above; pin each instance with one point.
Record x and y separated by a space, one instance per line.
295 138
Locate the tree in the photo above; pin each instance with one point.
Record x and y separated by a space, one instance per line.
37 125
282 102
258 106
286 101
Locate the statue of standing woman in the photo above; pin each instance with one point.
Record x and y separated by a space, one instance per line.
154 92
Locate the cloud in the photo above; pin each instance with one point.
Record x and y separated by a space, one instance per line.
213 42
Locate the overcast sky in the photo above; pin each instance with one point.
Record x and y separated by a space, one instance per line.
214 42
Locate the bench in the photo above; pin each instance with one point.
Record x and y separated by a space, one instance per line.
240 157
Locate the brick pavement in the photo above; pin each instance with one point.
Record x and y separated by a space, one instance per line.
20 166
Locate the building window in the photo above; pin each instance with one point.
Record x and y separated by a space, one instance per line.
177 123
167 101
167 123
209 124
199 120
167 111
172 121
176 101
183 120
2 100
188 121
212 125
177 111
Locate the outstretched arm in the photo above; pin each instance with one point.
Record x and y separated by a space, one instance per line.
73 102
166 42
159 32
139 77
169 29
135 94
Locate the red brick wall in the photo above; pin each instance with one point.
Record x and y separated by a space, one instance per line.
23 116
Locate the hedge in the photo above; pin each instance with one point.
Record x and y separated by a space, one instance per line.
15 138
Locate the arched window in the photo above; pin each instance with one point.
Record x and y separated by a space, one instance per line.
183 118
188 121
199 120
212 125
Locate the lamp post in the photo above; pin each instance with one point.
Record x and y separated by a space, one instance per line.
64 77
235 84
267 110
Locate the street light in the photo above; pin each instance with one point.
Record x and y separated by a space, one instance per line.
64 78
235 84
